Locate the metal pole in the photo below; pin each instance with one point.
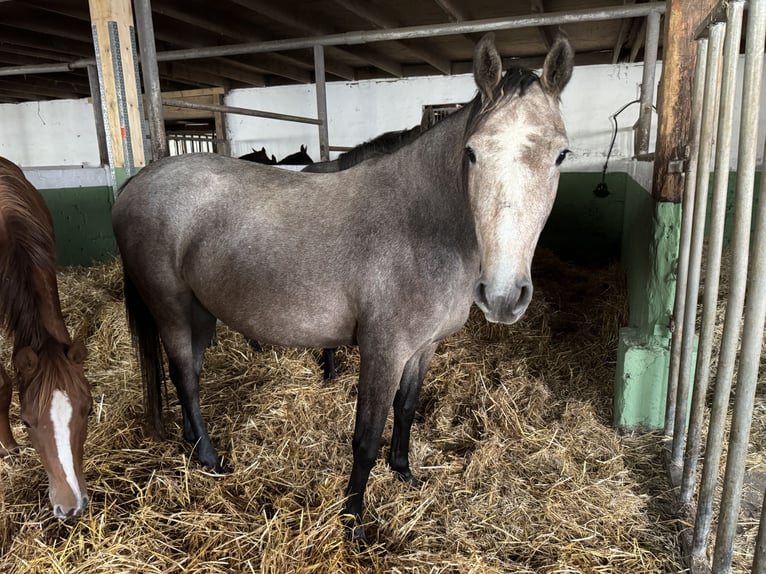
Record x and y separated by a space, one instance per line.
151 76
687 218
173 103
759 559
715 243
698 232
95 94
324 137
748 144
647 83
364 37
747 378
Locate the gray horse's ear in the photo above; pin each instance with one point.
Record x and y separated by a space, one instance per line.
487 67
557 69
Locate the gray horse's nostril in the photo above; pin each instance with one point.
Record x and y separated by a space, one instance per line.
525 297
481 293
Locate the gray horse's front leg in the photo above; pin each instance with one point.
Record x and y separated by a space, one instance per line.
405 404
377 387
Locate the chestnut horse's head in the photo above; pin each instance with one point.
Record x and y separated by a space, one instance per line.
55 403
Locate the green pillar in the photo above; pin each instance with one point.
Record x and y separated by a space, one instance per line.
650 253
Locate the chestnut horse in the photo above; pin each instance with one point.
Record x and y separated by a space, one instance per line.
388 255
54 395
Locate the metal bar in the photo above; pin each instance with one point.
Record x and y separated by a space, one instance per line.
319 72
647 82
174 103
715 243
687 218
698 232
717 14
759 556
151 76
747 378
746 162
95 94
368 36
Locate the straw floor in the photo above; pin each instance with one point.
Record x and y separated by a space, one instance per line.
522 470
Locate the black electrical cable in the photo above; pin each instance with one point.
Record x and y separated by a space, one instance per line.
601 189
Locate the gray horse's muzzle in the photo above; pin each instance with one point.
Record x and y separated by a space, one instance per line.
506 305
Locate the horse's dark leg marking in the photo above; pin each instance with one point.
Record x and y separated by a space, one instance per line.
185 346
254 345
405 404
377 387
328 364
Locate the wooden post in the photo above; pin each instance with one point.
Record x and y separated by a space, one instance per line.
675 93
115 47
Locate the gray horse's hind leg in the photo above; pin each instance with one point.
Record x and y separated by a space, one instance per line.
185 347
405 404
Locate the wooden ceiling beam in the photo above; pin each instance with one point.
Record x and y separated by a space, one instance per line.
35 40
24 89
548 33
191 74
622 36
375 16
458 14
373 57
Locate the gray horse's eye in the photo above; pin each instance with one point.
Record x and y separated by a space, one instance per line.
562 156
470 154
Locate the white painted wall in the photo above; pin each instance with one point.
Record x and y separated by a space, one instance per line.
51 133
358 111
62 133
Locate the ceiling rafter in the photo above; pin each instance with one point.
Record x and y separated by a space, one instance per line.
548 33
270 11
51 35
377 17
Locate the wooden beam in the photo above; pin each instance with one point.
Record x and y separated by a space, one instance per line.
378 18
675 92
114 44
548 33
269 10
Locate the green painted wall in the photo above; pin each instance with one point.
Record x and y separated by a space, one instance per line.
82 222
582 227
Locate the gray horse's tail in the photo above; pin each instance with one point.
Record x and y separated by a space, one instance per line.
146 342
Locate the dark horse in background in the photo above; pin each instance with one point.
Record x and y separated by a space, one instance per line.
409 241
259 156
54 395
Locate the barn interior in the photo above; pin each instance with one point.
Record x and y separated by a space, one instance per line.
533 461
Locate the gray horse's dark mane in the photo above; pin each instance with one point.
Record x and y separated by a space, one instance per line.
383 144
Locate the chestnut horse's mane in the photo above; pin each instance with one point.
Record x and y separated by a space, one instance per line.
29 301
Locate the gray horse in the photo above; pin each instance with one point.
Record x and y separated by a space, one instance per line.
409 241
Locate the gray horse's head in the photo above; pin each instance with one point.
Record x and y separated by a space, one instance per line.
515 144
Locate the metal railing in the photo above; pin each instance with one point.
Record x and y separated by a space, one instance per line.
713 120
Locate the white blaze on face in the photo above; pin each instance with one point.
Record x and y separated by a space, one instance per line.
61 416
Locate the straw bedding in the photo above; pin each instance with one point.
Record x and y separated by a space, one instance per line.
522 470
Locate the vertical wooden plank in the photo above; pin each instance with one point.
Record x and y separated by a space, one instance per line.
114 42
674 97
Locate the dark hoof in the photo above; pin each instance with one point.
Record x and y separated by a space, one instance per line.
408 478
254 345
355 533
